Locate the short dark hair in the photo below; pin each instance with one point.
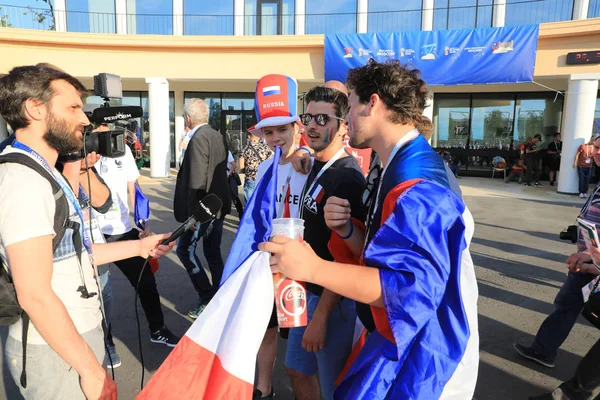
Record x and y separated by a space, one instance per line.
328 95
556 134
537 136
399 86
30 82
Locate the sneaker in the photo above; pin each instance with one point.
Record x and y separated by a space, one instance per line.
164 336
537 184
531 354
551 183
581 196
195 313
258 395
112 358
585 195
527 184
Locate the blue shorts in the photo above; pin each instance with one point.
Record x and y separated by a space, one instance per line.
330 361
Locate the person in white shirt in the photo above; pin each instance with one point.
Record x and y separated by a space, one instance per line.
43 105
120 175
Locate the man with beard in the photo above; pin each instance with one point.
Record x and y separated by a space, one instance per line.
415 271
324 345
57 291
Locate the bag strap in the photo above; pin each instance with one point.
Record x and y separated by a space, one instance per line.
61 224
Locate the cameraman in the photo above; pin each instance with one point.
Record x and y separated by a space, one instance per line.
121 174
569 300
44 107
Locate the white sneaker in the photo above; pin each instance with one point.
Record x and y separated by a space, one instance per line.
585 195
581 196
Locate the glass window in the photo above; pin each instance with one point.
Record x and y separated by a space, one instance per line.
492 121
273 13
462 14
451 115
330 16
26 14
207 17
594 10
537 113
398 16
94 16
597 115
150 17
519 12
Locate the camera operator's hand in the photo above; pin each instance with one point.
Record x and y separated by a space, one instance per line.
91 160
576 260
98 385
149 246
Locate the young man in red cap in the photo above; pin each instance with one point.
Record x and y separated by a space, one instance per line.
275 107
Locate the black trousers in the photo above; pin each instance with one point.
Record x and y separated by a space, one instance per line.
585 385
131 268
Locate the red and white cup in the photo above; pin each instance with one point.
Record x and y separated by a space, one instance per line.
290 295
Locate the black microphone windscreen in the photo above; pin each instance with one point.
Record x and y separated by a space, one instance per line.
207 208
105 115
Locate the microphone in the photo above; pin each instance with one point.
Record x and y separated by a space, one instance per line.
205 211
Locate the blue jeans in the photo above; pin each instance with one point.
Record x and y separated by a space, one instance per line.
585 175
106 288
249 186
329 361
568 305
211 244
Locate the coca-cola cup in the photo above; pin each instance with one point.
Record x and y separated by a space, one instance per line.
290 295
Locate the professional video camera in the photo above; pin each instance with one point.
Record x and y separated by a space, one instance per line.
109 143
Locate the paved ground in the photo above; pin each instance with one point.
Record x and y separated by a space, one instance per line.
519 264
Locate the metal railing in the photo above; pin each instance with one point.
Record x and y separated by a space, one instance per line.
480 16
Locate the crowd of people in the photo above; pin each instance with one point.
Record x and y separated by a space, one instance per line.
388 251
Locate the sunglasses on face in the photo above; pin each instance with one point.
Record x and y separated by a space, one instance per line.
320 119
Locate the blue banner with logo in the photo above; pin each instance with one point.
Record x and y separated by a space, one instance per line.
454 57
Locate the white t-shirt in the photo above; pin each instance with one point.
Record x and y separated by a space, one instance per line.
27 212
117 172
297 181
230 161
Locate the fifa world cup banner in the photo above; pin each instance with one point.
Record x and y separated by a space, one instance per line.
453 57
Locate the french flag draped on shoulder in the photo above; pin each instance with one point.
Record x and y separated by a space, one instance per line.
216 358
425 344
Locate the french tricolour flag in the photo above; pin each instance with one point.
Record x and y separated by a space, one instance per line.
271 90
216 358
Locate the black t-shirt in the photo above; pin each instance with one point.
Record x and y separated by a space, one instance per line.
554 146
531 146
343 179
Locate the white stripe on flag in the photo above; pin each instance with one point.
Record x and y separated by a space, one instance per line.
234 323
271 88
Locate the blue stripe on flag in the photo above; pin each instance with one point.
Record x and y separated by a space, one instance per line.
255 224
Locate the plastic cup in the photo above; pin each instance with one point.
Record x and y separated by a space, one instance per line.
290 295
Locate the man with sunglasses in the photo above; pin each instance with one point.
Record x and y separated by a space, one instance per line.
325 344
415 272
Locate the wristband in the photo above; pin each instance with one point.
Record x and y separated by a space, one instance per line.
305 149
349 234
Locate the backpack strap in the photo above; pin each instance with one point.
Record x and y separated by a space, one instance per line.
61 223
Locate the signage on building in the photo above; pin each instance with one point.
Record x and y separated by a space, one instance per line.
454 57
583 57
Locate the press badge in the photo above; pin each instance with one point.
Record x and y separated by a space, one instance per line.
96 234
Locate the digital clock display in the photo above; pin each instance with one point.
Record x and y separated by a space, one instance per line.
584 57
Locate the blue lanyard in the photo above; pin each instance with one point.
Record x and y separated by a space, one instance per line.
65 188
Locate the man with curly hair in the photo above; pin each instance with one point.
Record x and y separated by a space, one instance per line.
414 277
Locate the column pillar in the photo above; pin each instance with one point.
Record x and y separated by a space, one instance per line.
427 16
160 136
428 112
179 122
3 129
300 20
580 9
60 15
580 105
362 16
499 13
238 19
121 11
178 17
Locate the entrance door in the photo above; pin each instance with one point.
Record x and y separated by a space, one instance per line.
234 125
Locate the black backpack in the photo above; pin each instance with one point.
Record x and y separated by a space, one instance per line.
10 310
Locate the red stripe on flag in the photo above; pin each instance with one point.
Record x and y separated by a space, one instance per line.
320 194
192 372
286 203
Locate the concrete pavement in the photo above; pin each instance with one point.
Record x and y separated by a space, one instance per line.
520 265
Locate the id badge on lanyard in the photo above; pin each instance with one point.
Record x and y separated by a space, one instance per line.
95 233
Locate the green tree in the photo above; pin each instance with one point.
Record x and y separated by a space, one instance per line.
496 124
41 15
4 20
